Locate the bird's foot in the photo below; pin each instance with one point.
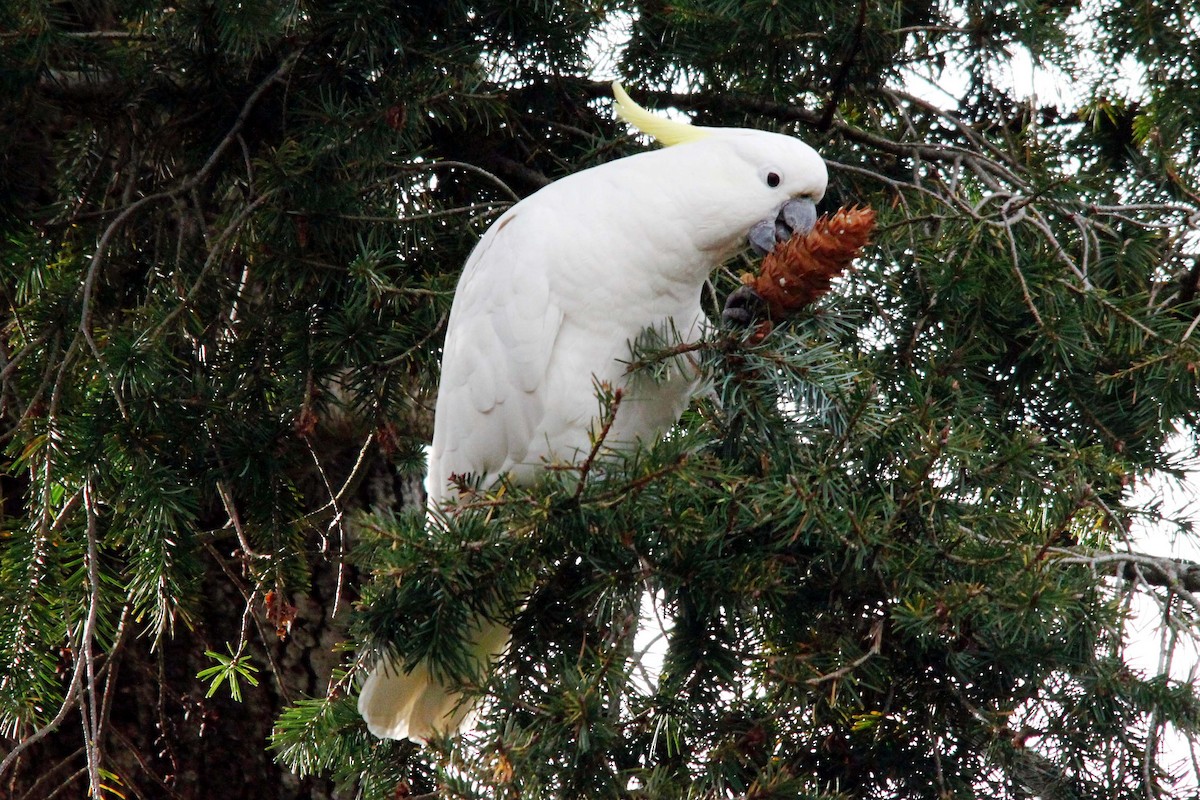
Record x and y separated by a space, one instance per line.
742 307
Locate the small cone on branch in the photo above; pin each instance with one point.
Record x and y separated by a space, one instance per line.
800 270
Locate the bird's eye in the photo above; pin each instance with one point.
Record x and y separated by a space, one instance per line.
773 179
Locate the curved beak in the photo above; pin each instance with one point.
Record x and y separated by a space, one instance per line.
796 216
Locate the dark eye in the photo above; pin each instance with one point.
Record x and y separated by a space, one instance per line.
772 179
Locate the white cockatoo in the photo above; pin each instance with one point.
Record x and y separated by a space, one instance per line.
546 309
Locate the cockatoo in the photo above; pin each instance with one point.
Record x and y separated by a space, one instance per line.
546 308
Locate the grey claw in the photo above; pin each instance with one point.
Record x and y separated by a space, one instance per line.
762 236
742 307
800 215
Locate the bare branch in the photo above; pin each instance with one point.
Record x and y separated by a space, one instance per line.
91 711
1176 574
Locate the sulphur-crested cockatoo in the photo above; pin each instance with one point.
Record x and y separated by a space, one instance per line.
546 309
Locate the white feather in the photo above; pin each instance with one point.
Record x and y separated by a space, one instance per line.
416 704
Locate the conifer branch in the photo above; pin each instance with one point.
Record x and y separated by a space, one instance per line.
68 704
184 187
1177 574
248 597
838 84
1016 267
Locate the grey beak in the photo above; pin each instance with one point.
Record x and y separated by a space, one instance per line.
797 216
800 215
762 236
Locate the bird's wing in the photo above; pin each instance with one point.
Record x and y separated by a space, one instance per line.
499 342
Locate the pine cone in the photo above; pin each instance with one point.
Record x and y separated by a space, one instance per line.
800 270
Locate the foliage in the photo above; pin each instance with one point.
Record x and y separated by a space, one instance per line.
887 547
231 669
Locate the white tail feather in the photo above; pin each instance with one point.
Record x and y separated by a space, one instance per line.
417 704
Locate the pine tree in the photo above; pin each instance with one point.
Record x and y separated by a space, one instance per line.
886 552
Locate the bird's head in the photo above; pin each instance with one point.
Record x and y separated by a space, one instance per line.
754 182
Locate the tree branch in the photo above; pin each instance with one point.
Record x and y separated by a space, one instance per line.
1174 573
838 84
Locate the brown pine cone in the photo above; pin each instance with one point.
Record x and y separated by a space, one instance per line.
800 270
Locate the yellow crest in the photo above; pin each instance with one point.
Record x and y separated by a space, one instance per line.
664 131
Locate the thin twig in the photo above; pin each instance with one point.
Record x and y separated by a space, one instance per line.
841 672
51 726
610 416
36 790
248 596
91 712
338 517
474 208
429 165
235 520
1016 267
214 250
